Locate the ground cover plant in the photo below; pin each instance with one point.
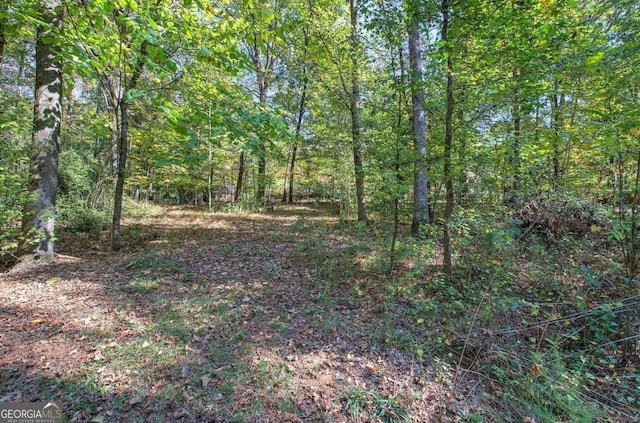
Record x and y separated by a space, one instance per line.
293 316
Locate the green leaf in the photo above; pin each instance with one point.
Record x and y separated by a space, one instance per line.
133 94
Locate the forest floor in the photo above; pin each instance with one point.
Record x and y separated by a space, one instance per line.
290 316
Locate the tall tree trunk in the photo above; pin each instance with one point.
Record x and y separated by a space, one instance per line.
448 141
355 114
39 213
557 102
292 165
210 179
210 175
238 192
123 138
262 173
123 134
420 179
262 151
301 106
285 181
516 159
263 64
400 81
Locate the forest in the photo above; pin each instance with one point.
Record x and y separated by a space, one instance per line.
321 210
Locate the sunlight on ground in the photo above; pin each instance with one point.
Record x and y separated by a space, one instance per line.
271 318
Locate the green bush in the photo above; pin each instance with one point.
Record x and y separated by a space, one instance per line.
84 200
13 196
77 216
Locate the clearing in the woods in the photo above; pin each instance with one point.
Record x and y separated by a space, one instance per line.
286 316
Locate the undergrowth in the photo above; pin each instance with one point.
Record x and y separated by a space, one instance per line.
550 332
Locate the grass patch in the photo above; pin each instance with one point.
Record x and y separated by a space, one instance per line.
369 405
139 286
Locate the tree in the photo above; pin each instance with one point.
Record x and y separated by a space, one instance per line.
355 108
448 138
420 178
39 212
120 43
263 35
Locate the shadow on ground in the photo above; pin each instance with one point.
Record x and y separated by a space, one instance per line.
209 317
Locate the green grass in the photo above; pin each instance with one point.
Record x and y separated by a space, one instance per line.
139 286
369 405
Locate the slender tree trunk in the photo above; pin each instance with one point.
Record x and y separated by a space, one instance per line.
263 64
634 242
210 176
123 145
286 181
396 165
516 158
420 179
557 103
262 151
108 89
238 193
464 175
301 106
39 212
210 180
303 100
355 114
123 133
291 172
448 141
262 174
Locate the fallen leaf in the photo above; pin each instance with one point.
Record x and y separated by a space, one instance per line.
205 380
98 419
36 322
53 280
181 413
536 370
135 400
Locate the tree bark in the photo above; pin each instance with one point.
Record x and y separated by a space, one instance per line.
448 141
420 180
39 212
292 165
355 114
238 193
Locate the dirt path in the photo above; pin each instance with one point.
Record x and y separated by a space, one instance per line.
212 317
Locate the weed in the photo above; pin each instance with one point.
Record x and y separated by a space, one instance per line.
154 262
355 401
139 286
545 390
362 404
300 225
